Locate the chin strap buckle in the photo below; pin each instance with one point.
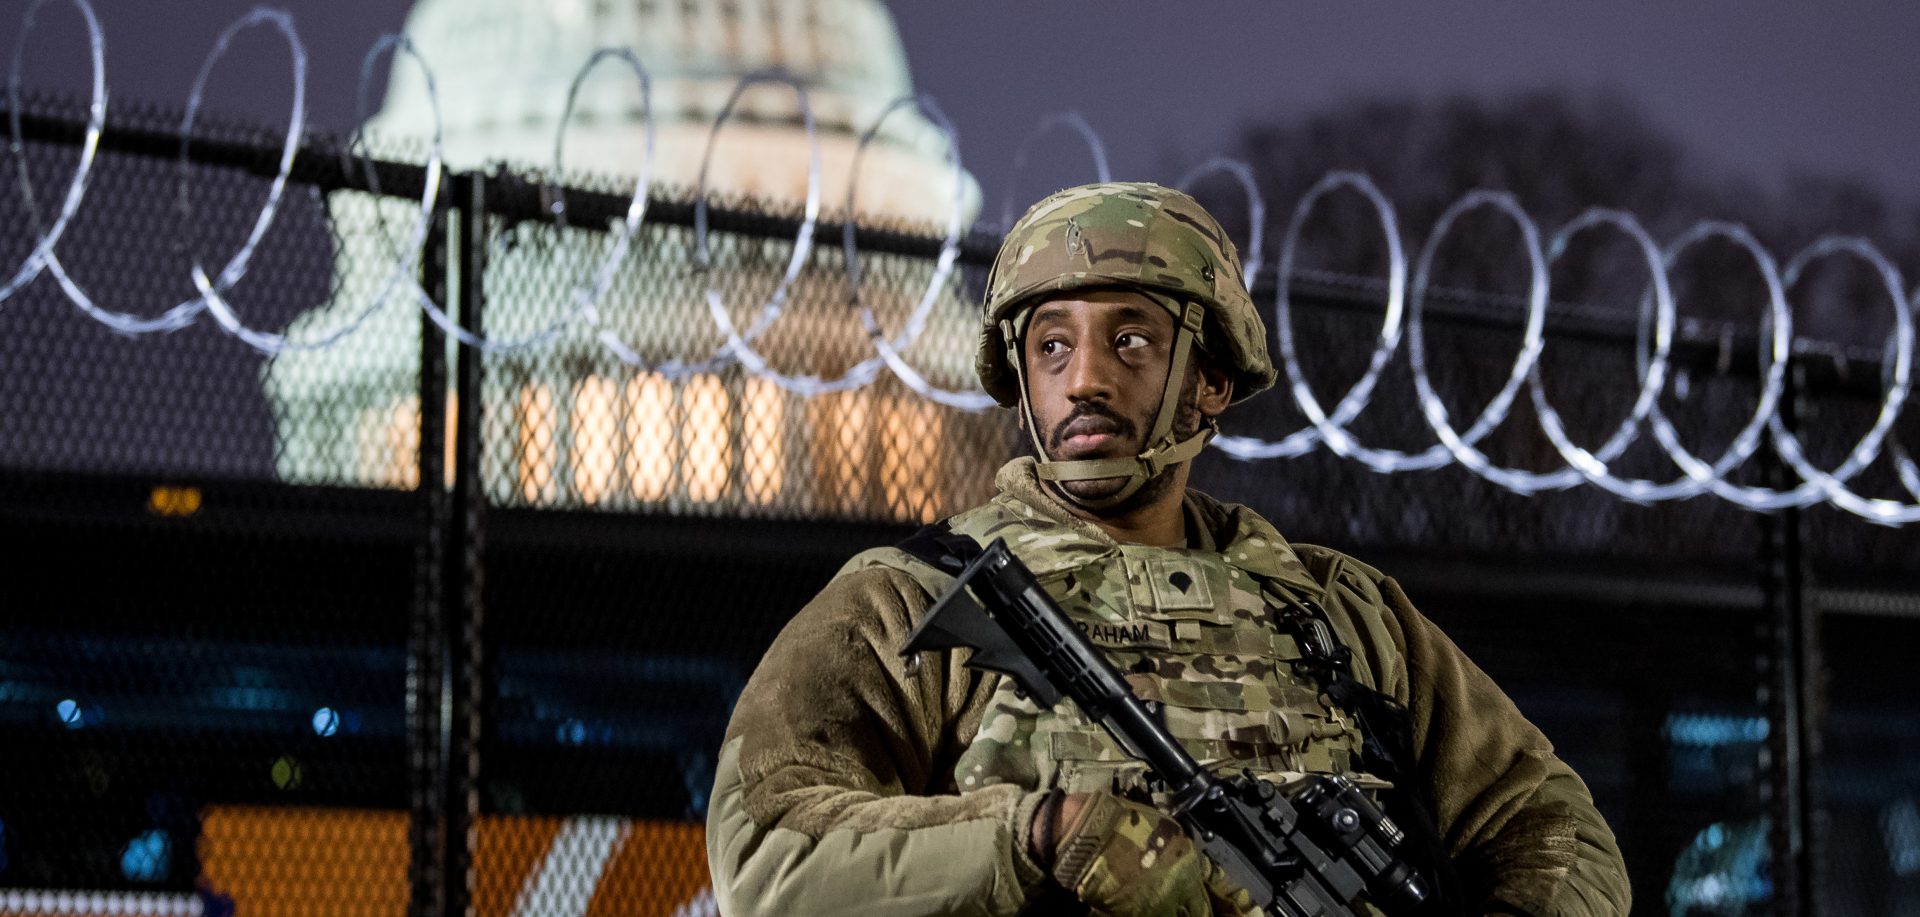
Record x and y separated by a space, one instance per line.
1151 461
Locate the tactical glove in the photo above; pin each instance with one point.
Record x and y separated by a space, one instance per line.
1229 899
1125 859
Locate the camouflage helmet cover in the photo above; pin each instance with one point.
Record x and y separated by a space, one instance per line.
1134 235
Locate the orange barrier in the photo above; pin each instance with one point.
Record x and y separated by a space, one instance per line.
294 862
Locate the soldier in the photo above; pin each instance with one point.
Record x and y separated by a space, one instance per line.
1117 324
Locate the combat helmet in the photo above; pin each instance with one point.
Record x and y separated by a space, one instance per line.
1137 236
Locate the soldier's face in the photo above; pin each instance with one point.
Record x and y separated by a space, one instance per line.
1096 367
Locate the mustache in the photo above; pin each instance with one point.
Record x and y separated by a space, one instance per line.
1121 426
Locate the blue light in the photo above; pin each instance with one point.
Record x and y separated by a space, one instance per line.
1710 731
147 858
1722 871
1900 824
253 698
696 773
326 721
572 732
70 713
3 848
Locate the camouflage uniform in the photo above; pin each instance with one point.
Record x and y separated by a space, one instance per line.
851 778
1192 629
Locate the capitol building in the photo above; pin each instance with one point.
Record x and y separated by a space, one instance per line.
566 421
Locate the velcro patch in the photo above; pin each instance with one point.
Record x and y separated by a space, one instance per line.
1178 583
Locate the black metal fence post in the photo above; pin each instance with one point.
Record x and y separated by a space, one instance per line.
426 836
464 641
1793 662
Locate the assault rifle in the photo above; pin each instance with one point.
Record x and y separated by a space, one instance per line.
1310 853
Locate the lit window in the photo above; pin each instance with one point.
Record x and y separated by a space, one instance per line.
839 425
535 443
708 439
765 432
387 444
595 438
380 439
650 446
909 438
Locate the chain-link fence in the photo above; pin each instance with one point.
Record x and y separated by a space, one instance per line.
404 625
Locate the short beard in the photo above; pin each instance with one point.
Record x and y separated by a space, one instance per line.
1187 421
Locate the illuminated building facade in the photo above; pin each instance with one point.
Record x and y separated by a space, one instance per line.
568 423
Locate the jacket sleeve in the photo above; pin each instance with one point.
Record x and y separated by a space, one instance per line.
833 785
1520 823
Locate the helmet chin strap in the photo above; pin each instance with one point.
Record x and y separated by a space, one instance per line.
1162 450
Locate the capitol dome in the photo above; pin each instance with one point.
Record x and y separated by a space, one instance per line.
502 69
571 422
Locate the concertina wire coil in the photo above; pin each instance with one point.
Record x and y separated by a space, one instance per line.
1406 294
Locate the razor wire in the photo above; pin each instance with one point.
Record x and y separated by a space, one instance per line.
889 350
1402 318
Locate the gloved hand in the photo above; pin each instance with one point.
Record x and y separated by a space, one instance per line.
1122 858
1229 899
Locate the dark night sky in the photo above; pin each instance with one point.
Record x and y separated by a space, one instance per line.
1757 88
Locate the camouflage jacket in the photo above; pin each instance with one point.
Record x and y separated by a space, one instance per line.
847 775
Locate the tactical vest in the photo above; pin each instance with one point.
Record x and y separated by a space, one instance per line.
1212 637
